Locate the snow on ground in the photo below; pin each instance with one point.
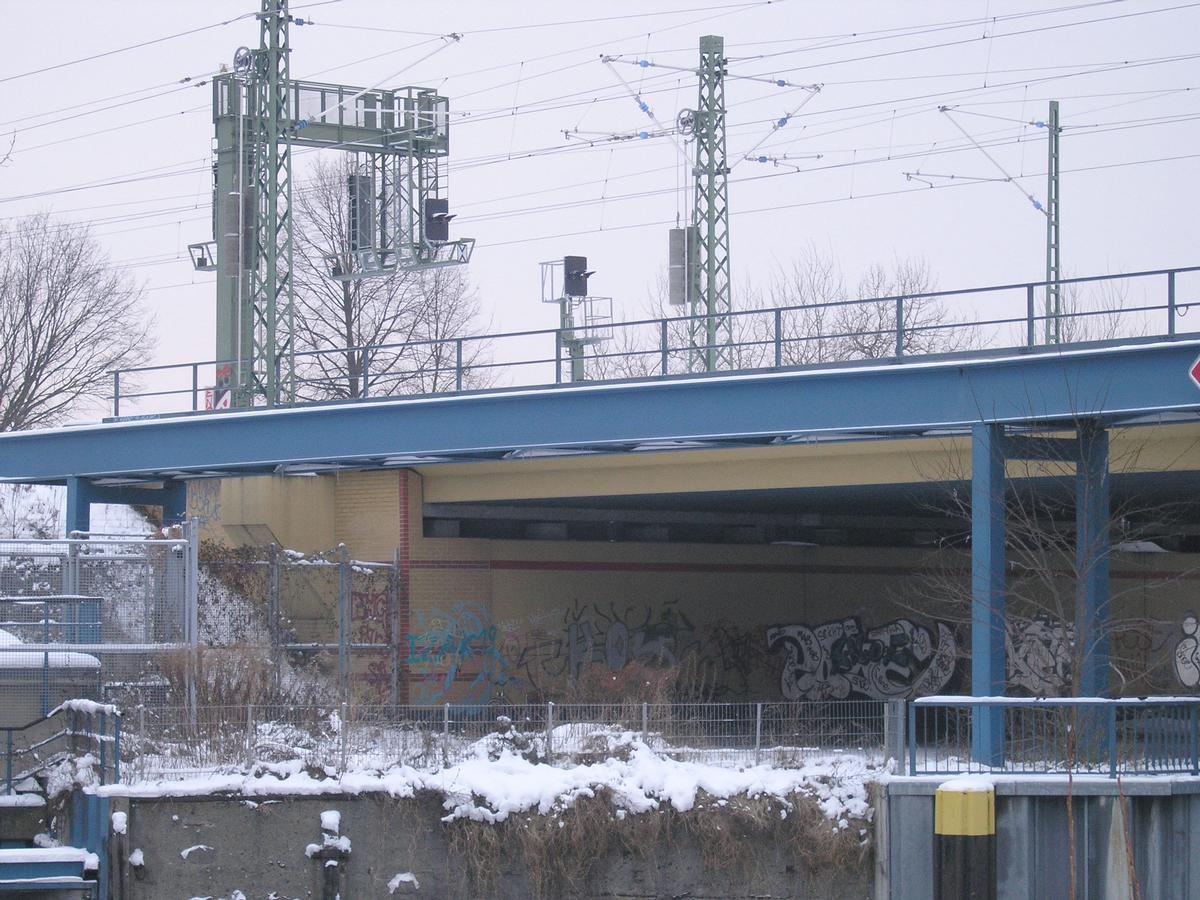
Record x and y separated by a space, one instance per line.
492 784
403 878
39 511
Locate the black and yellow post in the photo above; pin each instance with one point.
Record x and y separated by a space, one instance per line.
964 841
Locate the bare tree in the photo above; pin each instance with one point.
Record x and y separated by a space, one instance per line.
67 318
1044 576
870 327
412 318
1098 311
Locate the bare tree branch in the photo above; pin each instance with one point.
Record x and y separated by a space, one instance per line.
67 318
414 318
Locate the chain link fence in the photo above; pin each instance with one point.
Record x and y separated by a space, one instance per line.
91 616
277 625
179 742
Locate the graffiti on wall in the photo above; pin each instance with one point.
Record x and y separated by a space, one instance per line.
1039 655
555 649
452 652
1187 653
204 499
841 659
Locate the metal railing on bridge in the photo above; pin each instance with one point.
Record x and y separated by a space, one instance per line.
1130 306
1049 736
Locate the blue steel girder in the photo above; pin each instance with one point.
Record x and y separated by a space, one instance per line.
1049 387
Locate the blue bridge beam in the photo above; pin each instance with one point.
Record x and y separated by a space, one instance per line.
171 497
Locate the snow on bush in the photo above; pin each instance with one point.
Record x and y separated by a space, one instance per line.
498 783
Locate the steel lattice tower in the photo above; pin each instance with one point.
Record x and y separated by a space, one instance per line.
271 298
1053 235
711 336
397 137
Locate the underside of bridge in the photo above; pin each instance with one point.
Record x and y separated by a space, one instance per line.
860 532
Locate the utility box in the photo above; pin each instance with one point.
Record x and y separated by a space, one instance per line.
682 265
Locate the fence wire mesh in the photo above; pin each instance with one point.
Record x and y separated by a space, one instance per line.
88 617
179 742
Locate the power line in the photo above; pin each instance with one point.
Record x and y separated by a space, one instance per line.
139 45
826 201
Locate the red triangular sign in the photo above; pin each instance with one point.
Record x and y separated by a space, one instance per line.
1194 372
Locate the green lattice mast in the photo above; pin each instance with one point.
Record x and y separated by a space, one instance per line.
711 337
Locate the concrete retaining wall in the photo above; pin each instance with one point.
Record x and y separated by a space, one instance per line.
258 846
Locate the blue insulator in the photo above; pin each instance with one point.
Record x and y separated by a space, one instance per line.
643 107
299 21
1037 206
643 134
782 122
763 159
644 63
1039 124
781 82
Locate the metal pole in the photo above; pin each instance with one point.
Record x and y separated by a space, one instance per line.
1030 317
899 327
757 732
116 393
664 345
645 722
250 733
778 338
1171 304
344 620
549 729
394 625
196 387
458 365
1053 233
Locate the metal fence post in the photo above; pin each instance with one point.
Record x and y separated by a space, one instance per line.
8 763
912 739
1112 740
192 582
71 573
645 723
250 734
893 730
1171 304
664 342
899 327
195 387
116 393
549 729
394 626
366 373
558 348
1195 740
458 365
344 620
117 748
343 737
778 338
446 734
757 732
1030 315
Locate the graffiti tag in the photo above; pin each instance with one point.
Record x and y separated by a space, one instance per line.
841 659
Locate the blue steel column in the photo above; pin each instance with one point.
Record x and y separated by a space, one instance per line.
1091 561
80 496
987 589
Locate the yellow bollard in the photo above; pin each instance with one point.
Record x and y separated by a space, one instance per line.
964 842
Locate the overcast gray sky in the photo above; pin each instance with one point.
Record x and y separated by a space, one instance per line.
1127 74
